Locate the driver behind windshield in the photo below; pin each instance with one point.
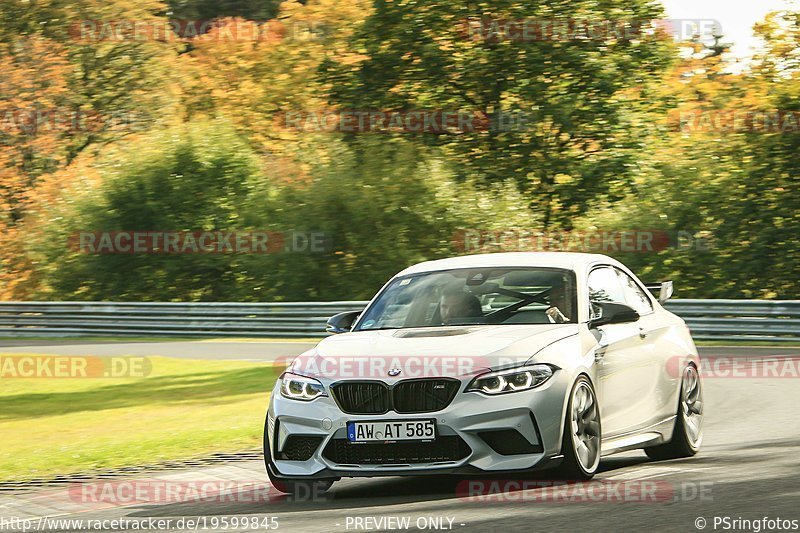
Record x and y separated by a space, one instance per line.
455 305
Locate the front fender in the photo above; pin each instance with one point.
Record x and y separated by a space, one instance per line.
574 356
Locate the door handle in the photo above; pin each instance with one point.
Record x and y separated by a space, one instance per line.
642 333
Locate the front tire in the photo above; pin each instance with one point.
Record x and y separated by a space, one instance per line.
581 442
688 433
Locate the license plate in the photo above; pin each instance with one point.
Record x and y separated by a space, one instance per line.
385 430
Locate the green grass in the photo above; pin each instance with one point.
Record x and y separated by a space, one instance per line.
184 408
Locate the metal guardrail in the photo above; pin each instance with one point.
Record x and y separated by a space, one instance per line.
708 319
212 319
764 320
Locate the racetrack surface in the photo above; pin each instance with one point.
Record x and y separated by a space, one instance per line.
748 468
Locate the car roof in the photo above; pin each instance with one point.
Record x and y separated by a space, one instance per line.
565 260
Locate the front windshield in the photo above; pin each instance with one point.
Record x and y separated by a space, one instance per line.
475 296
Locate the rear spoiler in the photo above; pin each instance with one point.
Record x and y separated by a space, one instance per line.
662 290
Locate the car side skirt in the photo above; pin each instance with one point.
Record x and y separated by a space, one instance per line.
658 433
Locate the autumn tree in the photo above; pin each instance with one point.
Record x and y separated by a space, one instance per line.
577 91
722 173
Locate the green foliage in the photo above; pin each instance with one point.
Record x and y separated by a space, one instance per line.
208 150
735 192
380 207
211 9
189 178
576 94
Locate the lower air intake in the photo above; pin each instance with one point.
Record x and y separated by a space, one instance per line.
444 448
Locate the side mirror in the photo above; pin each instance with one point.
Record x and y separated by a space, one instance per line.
663 290
611 313
342 322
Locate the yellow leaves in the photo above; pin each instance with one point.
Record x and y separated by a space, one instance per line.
253 81
351 59
287 170
34 74
563 179
78 178
15 272
32 118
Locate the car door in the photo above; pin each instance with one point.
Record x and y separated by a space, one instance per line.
650 362
622 361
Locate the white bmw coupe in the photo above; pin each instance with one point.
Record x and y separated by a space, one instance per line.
489 364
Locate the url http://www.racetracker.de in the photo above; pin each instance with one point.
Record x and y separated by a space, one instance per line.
194 523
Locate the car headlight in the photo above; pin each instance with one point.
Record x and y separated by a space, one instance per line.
297 387
512 380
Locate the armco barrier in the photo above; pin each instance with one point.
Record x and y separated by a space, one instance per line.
214 319
767 320
708 319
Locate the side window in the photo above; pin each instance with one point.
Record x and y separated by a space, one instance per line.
605 286
634 296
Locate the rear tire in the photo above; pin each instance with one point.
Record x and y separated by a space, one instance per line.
581 441
299 489
688 433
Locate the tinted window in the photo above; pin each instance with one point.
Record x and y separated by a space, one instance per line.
474 296
605 286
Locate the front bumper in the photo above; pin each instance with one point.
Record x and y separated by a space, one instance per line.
467 423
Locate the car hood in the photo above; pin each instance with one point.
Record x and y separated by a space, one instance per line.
437 351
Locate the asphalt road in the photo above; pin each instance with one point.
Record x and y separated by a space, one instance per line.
748 469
